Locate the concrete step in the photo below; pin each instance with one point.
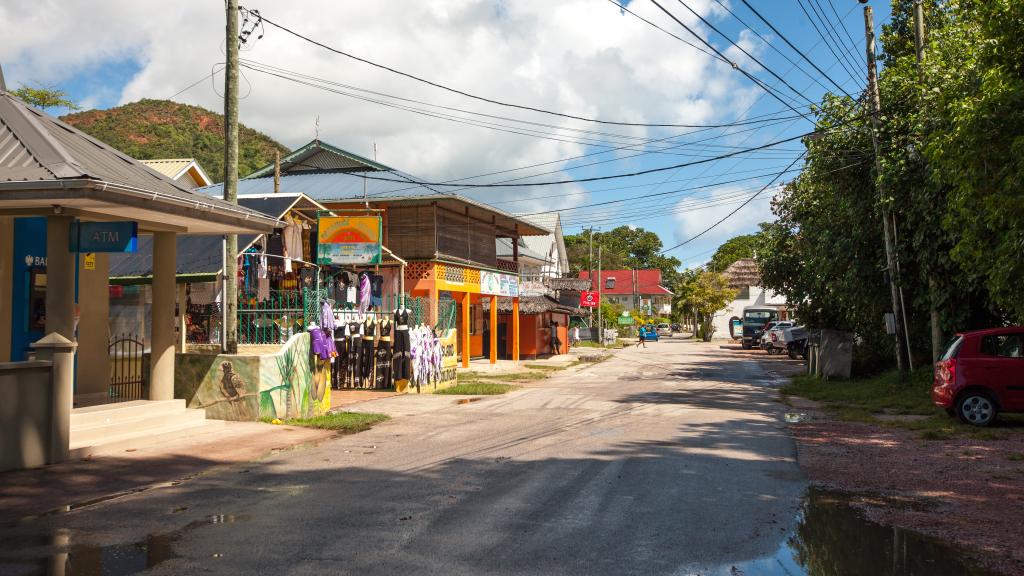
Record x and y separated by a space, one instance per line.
121 411
156 437
135 426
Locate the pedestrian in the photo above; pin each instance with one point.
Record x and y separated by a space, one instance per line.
574 340
641 341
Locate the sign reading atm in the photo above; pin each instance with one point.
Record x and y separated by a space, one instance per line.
104 236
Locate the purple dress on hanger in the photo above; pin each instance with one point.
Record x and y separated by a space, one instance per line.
364 292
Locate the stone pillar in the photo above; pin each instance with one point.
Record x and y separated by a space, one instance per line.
494 329
61 352
515 329
60 278
465 329
94 326
6 285
161 376
181 342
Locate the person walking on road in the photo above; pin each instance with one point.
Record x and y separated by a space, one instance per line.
642 341
574 339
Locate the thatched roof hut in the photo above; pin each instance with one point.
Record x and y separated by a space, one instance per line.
743 273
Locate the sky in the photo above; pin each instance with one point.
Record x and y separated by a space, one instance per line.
584 58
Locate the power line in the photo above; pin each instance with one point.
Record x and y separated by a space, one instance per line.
744 51
738 208
610 176
284 28
797 50
734 65
842 62
687 42
834 34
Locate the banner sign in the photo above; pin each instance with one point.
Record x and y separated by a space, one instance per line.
497 284
104 237
348 240
625 320
589 299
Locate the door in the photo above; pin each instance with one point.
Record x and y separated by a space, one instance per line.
1003 357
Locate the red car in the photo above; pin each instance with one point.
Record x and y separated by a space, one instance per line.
982 374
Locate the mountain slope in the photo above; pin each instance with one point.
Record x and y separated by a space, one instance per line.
150 129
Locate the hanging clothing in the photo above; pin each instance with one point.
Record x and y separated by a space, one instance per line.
340 369
366 354
339 289
364 291
382 377
320 344
263 289
327 317
376 291
355 342
402 356
292 243
275 245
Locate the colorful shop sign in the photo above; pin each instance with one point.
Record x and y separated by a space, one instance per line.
497 284
449 359
104 237
349 240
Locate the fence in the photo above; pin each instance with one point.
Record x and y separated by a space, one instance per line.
203 323
127 368
274 320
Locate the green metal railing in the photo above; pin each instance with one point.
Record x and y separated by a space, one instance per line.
271 321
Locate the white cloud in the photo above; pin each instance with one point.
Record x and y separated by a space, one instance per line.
583 57
692 218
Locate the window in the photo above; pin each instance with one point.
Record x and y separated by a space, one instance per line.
1005 345
609 283
743 293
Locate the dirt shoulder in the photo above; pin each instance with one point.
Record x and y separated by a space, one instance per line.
921 472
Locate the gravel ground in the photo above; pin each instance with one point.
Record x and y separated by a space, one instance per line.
965 491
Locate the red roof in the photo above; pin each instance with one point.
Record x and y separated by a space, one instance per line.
648 282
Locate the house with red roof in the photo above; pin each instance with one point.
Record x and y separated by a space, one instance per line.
633 289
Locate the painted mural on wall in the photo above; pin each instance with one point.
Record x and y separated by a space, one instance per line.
249 388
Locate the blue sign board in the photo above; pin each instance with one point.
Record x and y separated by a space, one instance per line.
104 236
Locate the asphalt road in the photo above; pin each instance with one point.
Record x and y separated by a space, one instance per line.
672 459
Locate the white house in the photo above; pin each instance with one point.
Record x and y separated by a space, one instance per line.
540 257
745 278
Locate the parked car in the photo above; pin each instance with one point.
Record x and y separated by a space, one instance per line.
754 320
772 341
795 340
677 327
981 374
664 329
650 333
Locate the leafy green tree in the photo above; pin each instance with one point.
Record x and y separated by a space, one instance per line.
45 97
708 293
732 250
622 247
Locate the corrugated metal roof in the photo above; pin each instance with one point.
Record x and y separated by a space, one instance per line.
319 155
38 147
170 167
504 249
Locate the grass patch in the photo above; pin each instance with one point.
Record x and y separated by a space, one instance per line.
544 367
884 393
344 422
478 389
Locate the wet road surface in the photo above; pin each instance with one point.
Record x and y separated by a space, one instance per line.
672 459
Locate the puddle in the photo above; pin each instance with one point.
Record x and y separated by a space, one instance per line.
832 538
62 556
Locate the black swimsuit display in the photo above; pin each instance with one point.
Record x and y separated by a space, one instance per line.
366 354
340 369
403 356
382 378
354 344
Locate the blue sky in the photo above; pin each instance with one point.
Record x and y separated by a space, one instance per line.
582 57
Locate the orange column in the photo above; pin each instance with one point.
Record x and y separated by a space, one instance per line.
432 296
515 329
465 330
494 329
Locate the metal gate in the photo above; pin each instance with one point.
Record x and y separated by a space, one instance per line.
127 370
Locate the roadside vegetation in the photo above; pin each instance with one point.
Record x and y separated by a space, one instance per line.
342 422
887 400
478 389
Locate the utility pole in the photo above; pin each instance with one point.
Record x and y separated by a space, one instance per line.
933 288
230 340
890 246
600 328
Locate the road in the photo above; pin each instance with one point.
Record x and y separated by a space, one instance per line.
673 459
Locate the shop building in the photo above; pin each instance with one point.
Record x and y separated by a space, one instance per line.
448 242
544 327
66 201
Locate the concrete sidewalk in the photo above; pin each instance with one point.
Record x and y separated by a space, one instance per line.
152 462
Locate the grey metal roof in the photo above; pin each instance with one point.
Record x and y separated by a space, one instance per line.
319 155
37 148
504 249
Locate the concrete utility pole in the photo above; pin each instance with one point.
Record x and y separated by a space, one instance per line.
933 288
890 246
600 329
229 342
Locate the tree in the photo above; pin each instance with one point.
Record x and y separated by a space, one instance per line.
45 97
622 247
732 250
708 293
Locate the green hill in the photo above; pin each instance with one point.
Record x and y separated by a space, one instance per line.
150 129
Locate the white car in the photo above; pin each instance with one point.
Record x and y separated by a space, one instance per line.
664 329
772 340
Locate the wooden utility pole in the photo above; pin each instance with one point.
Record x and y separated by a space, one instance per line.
230 340
933 288
890 246
600 328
